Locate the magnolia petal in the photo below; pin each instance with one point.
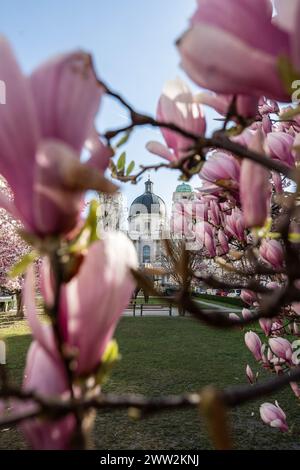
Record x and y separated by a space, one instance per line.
56 206
92 313
100 154
67 97
42 333
19 131
161 150
219 61
46 377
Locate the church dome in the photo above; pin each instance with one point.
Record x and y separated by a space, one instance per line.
148 202
184 188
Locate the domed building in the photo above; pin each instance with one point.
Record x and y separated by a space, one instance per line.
183 192
147 224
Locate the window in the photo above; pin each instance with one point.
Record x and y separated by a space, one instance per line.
146 254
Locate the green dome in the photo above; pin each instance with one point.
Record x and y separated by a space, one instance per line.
183 188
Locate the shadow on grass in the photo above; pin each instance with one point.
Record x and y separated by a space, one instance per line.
172 355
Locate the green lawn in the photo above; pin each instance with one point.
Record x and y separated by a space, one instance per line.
170 355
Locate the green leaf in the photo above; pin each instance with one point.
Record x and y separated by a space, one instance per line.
92 220
264 231
109 359
89 232
123 139
121 162
113 168
234 131
287 73
130 168
294 237
20 268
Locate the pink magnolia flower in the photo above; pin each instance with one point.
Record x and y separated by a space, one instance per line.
286 13
205 235
288 19
280 146
271 251
250 375
295 330
234 224
90 307
45 375
246 313
177 105
295 388
234 317
178 222
248 296
254 188
90 304
200 210
222 169
254 344
246 106
277 328
274 416
182 221
223 240
233 47
266 106
196 210
43 128
266 325
282 348
291 127
266 125
214 213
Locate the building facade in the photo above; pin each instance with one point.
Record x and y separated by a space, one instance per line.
146 222
112 214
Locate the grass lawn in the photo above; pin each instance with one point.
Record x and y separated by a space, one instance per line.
164 355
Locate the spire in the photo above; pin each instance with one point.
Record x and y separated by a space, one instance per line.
149 186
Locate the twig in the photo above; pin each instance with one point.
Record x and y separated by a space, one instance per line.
232 396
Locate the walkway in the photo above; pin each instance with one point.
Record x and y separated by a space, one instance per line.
205 304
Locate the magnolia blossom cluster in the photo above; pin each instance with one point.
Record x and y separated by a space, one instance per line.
237 51
279 354
236 195
47 122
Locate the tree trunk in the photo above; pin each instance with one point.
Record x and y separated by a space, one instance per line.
20 306
181 311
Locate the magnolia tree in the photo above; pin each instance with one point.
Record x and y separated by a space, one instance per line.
245 217
12 249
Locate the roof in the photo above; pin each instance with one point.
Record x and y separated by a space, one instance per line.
148 202
183 188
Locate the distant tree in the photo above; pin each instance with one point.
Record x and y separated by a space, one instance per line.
12 249
171 261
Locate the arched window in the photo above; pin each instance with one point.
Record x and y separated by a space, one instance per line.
146 254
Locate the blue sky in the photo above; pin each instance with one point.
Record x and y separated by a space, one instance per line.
132 42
